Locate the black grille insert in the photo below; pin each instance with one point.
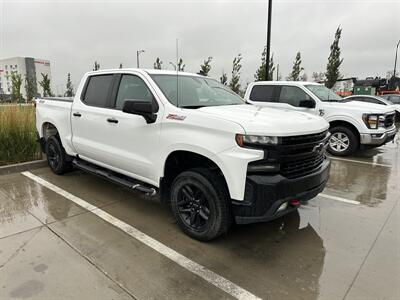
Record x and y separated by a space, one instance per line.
389 120
297 156
302 167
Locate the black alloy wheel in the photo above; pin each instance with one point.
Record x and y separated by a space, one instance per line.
56 157
193 207
200 203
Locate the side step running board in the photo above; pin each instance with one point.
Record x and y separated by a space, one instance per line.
114 177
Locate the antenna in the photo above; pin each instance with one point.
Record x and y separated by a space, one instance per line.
177 68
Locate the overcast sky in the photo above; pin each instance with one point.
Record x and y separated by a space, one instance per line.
73 34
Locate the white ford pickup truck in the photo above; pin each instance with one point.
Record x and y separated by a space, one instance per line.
213 158
353 124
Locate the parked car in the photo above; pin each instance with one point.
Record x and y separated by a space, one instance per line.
382 100
213 158
353 124
394 98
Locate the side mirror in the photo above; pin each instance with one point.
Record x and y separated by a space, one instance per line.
307 103
142 108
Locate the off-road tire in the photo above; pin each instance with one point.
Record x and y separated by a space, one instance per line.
210 187
57 159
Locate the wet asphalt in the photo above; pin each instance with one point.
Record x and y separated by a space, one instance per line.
51 248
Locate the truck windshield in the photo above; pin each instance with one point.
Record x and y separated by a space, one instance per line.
323 93
194 91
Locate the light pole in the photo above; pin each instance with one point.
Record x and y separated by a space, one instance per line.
268 40
137 56
395 59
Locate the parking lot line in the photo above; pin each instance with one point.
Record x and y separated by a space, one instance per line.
201 271
360 161
339 199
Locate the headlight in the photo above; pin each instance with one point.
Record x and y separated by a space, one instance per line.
255 140
374 121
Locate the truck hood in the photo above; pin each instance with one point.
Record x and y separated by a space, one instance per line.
359 106
268 121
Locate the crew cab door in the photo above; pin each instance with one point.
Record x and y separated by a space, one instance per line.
284 97
133 142
89 118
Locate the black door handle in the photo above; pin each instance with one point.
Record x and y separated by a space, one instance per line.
112 120
76 114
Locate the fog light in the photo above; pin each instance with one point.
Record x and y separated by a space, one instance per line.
283 206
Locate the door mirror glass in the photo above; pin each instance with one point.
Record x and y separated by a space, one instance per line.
307 103
140 107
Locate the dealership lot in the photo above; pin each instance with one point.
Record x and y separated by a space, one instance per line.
78 236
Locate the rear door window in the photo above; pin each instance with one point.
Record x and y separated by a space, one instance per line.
97 90
395 99
293 95
263 93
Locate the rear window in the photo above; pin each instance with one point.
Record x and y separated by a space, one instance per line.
97 90
262 93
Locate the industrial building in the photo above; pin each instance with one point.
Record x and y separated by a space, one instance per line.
28 67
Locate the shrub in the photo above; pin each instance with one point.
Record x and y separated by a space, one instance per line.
18 134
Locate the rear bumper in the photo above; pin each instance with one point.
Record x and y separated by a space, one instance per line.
378 139
265 194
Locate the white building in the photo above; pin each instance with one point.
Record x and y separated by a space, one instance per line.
28 67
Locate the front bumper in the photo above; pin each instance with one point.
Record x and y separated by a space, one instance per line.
265 194
378 139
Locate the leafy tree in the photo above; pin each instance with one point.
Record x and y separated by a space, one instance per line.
158 64
205 67
224 78
30 88
96 66
181 66
234 84
318 76
334 61
45 84
69 92
16 82
260 73
297 68
120 65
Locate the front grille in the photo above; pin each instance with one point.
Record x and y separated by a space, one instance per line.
297 156
389 120
302 167
303 139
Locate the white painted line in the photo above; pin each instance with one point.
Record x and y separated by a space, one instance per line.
360 162
339 199
208 275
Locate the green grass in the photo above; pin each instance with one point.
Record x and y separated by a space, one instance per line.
18 135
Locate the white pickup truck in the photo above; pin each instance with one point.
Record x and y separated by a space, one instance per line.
212 157
353 124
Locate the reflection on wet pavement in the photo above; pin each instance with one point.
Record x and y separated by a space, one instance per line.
24 198
326 250
364 183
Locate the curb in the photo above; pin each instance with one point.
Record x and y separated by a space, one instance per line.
30 165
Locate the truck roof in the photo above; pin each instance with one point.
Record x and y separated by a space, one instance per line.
148 71
298 83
